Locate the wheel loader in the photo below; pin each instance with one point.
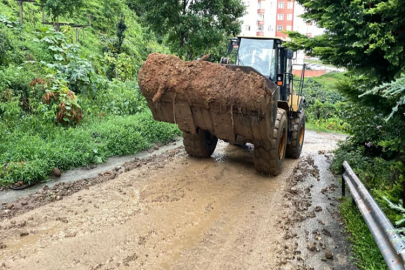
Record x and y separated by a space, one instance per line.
251 101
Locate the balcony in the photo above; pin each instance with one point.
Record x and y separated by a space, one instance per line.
260 22
261 0
261 11
260 34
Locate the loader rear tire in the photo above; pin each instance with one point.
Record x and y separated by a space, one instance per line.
201 145
269 155
294 149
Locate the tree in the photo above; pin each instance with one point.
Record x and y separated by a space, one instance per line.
193 27
121 28
364 36
57 8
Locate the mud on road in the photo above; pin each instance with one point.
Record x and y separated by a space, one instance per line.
172 211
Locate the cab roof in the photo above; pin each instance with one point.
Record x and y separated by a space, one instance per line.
264 37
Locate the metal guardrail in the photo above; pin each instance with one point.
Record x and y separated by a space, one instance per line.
389 242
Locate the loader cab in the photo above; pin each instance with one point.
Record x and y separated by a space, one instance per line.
260 54
269 58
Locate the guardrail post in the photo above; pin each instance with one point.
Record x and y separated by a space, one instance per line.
343 182
403 194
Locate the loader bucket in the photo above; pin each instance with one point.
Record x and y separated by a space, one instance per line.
232 102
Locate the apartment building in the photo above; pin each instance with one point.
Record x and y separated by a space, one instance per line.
272 17
285 17
258 19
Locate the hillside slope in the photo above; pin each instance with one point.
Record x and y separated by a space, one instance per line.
65 103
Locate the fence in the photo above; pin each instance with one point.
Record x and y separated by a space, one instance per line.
390 243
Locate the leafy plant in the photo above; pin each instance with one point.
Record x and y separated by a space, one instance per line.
6 21
69 65
68 110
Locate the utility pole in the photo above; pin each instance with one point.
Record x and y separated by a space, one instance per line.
21 11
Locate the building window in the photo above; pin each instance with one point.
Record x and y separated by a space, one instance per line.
247 27
281 5
261 17
290 5
280 17
279 28
289 17
260 28
270 29
288 27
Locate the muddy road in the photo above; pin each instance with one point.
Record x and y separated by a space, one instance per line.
172 211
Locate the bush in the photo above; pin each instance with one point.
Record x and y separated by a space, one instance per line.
324 104
32 149
120 98
382 177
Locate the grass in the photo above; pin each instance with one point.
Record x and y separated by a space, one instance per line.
31 150
322 128
317 128
365 250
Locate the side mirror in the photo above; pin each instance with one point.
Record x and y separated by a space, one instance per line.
230 47
232 44
290 54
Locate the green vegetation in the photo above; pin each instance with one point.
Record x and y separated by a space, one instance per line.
368 255
32 149
194 28
365 37
324 103
64 103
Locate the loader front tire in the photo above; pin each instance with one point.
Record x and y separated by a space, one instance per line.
201 145
294 149
269 155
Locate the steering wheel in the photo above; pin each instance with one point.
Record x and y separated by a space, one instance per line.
259 64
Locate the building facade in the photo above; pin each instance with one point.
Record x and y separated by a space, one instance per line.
272 17
257 21
285 17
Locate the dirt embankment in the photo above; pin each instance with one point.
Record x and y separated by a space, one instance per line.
202 82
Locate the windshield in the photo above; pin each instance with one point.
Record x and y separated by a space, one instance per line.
258 54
